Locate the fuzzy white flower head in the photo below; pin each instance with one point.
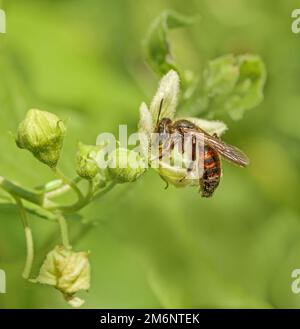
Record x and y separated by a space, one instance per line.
164 105
168 91
209 126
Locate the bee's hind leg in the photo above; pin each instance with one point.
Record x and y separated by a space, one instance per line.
189 170
167 183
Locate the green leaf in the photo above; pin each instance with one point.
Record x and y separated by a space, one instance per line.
235 84
157 45
221 75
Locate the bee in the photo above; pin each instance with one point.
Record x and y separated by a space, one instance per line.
214 148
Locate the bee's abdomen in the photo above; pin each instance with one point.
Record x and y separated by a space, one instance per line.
211 173
211 162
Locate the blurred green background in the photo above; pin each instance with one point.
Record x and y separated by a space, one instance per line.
153 247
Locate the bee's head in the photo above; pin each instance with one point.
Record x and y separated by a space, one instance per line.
163 126
163 130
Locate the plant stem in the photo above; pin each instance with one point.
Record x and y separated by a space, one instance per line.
80 204
63 230
55 193
21 192
104 191
40 212
90 191
56 184
28 239
69 182
86 200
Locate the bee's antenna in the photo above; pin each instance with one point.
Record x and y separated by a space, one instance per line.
159 111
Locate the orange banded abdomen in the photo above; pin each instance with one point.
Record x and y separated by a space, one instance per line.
211 172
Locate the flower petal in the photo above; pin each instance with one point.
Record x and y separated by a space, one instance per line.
144 129
168 91
211 127
145 123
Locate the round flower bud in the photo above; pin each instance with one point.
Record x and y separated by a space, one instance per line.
86 165
42 134
125 165
68 271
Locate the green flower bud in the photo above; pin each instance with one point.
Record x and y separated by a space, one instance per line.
125 165
86 166
68 271
42 134
100 180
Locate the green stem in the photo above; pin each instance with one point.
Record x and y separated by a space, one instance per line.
104 191
56 184
69 182
55 193
80 204
88 198
63 230
28 239
40 212
21 192
90 191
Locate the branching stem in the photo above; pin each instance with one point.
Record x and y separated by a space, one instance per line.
102 192
69 182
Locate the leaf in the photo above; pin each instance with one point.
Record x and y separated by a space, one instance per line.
221 75
235 84
157 47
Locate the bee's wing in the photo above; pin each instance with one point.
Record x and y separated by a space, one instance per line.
227 151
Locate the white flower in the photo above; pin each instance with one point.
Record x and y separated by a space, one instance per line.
166 98
168 91
211 127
